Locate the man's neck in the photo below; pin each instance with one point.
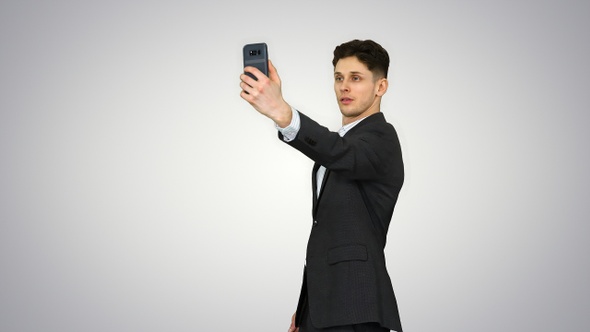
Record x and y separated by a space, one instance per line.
346 120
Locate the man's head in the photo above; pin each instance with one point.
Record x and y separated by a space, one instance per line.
368 52
360 78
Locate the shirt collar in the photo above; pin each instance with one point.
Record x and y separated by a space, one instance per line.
342 131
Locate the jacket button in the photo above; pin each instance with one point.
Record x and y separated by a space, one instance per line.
315 223
310 141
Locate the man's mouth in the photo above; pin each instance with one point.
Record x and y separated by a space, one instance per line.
345 100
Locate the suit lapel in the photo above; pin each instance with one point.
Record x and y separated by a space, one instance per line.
317 196
324 180
314 185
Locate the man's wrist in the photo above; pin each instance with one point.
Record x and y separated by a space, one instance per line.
284 117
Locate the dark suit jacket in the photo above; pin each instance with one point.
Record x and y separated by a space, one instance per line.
345 279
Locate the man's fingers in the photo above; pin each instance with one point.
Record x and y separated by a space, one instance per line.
247 83
247 78
254 72
245 87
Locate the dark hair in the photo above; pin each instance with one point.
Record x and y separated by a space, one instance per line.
373 55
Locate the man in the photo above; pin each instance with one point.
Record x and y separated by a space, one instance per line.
357 177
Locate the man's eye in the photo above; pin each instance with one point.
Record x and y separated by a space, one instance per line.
338 78
356 78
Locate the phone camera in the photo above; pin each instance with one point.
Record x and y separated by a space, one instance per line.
254 52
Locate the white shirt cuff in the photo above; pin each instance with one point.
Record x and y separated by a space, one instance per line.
290 132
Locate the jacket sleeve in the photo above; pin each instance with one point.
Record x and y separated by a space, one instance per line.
368 151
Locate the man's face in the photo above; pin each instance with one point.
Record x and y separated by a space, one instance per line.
357 91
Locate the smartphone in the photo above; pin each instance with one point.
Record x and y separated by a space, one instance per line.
256 55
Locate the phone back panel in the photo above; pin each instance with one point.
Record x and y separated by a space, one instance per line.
256 55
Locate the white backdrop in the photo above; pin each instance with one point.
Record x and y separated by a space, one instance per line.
138 192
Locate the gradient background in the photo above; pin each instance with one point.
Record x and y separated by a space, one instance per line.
138 192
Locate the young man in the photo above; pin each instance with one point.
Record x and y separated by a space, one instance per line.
356 180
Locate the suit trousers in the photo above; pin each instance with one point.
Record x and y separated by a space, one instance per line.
307 326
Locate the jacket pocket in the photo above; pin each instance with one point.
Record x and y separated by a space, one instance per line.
357 252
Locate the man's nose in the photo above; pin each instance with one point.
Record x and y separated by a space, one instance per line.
344 87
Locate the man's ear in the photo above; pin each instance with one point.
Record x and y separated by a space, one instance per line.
382 86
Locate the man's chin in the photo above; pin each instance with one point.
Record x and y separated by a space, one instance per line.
348 113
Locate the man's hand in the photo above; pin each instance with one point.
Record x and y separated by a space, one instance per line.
265 94
292 328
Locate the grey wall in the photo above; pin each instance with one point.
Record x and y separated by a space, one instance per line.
138 192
